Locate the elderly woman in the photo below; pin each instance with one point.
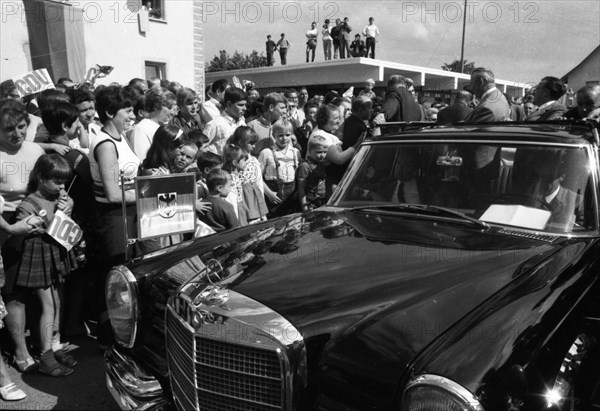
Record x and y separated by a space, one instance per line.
110 157
328 121
17 158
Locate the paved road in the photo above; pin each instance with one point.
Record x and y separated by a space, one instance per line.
85 389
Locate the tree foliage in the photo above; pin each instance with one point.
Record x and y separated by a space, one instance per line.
455 66
237 61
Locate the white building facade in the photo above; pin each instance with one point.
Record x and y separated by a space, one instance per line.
586 73
159 38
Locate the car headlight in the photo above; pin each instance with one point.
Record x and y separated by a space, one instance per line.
122 304
434 393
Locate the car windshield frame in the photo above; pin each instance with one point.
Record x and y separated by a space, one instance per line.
591 229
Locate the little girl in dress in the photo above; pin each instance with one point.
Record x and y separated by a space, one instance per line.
44 262
251 176
234 161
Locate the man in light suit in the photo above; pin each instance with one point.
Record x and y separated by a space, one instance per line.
492 103
545 96
492 107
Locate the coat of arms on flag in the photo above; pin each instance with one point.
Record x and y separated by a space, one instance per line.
167 204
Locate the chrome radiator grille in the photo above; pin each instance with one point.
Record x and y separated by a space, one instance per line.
237 377
209 372
180 350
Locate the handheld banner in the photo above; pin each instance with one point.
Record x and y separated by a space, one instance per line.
64 230
349 93
166 205
236 82
33 82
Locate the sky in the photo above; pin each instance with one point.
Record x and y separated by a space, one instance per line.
518 40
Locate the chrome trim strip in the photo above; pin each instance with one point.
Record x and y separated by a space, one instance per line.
594 166
239 372
176 317
447 385
400 140
569 369
262 404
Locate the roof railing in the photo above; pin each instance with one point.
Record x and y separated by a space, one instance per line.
405 126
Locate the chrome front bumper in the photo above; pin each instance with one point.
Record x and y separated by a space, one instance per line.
132 387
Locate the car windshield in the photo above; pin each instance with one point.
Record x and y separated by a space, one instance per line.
539 187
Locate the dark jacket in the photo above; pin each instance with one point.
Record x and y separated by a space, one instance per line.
186 122
336 33
453 113
400 105
551 112
572 113
221 216
270 46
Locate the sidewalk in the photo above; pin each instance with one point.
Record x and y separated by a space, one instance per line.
85 389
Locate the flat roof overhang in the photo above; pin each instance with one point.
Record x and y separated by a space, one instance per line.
354 72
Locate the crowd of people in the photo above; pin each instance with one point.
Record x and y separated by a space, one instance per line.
481 101
67 150
335 38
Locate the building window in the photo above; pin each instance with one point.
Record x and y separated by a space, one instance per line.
156 70
156 9
592 83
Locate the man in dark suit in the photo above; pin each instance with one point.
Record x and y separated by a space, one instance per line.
271 46
345 39
492 103
399 103
588 102
560 201
457 111
545 96
358 47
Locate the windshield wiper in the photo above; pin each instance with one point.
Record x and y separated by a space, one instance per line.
463 216
419 207
402 206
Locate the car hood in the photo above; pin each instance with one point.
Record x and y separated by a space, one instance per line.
334 270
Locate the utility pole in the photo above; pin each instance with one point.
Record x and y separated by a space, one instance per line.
462 47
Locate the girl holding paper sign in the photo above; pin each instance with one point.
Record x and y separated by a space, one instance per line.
44 262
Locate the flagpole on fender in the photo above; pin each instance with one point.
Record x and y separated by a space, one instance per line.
462 47
124 210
